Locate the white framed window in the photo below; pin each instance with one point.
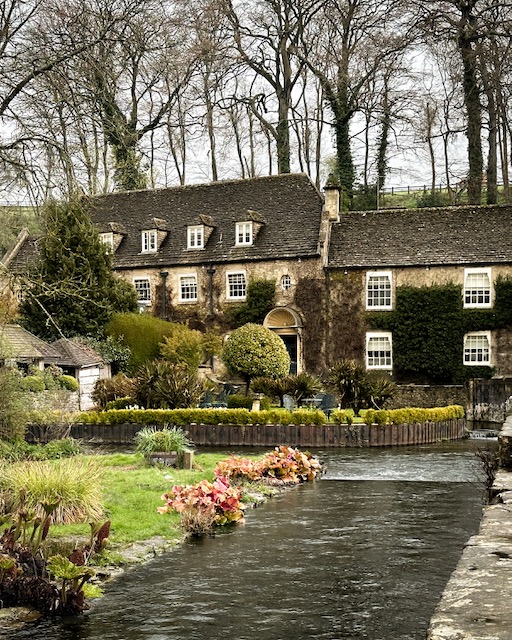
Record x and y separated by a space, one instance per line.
236 285
195 237
379 352
149 241
286 282
477 287
107 239
477 348
243 233
143 289
378 290
187 287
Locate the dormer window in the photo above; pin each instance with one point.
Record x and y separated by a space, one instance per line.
195 237
149 241
107 239
243 233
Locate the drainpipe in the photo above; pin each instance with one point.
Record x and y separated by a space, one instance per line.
211 272
163 275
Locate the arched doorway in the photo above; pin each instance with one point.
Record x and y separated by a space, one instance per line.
288 326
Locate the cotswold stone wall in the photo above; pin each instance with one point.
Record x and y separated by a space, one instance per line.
416 395
489 399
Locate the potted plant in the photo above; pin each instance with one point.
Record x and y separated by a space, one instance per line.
162 446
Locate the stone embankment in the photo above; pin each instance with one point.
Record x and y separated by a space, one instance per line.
477 601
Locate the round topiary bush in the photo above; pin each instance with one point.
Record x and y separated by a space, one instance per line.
68 382
253 350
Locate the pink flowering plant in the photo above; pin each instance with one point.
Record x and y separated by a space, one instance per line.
240 469
285 464
205 505
289 465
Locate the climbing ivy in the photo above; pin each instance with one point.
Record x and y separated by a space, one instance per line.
428 326
259 301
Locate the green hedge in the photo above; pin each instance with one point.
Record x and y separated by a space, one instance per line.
182 417
202 416
408 415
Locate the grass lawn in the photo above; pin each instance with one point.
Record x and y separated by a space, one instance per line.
132 493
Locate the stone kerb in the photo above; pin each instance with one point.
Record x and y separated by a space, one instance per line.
475 604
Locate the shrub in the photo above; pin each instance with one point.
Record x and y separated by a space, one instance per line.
120 403
189 346
289 465
110 389
150 439
167 385
13 407
34 384
349 380
342 416
205 505
239 401
68 382
142 333
74 485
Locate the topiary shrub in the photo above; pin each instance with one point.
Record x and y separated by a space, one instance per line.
253 350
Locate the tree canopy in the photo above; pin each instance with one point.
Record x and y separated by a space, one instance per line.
72 290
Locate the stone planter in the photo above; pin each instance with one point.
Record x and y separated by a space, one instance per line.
166 458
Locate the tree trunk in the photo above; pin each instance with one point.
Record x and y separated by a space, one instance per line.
474 116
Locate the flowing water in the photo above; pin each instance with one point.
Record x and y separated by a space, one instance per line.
362 554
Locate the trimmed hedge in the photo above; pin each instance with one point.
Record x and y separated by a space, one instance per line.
181 417
202 416
408 415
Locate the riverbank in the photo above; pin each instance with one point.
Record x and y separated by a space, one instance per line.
476 603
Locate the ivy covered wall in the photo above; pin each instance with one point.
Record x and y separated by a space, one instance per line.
428 325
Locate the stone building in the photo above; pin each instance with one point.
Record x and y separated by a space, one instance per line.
341 279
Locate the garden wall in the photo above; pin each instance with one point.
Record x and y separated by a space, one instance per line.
489 399
317 436
429 396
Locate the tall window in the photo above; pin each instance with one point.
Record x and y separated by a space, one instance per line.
477 348
188 288
143 289
149 241
379 351
378 290
243 233
236 287
477 287
195 237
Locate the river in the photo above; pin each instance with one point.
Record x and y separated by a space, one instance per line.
364 553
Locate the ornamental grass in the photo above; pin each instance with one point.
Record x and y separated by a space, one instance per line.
75 484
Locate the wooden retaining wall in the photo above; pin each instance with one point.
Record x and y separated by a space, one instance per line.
317 436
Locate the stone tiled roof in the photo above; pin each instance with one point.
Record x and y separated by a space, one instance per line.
24 255
420 237
288 206
18 344
73 353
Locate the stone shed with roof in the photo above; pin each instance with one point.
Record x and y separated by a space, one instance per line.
21 348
